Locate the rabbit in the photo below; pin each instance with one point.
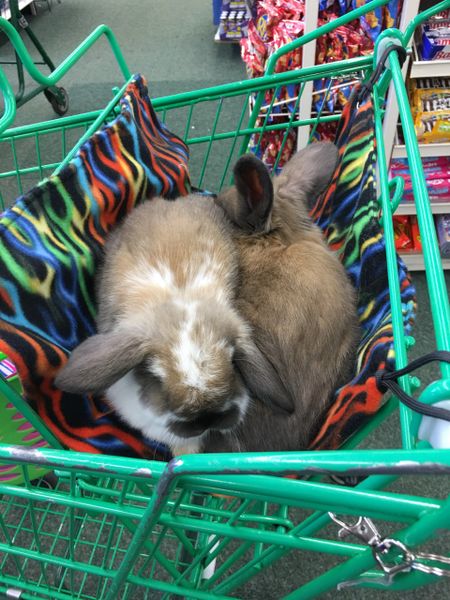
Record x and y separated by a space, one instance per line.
169 337
294 293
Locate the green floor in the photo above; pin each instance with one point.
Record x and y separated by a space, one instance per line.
171 43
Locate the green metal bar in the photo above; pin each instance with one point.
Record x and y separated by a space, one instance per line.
289 127
323 30
343 462
235 138
247 130
16 166
83 462
439 302
319 114
268 112
60 71
71 60
263 82
92 128
211 140
188 123
401 357
25 409
425 528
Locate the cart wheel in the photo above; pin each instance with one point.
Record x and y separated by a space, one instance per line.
58 98
49 481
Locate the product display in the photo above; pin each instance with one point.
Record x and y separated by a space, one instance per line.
406 234
443 231
234 20
436 40
437 176
430 106
279 22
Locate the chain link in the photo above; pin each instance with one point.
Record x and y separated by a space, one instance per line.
364 529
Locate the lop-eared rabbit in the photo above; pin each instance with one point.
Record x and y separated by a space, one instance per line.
169 336
296 296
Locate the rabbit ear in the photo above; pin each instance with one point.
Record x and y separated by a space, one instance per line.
250 208
261 378
309 171
99 362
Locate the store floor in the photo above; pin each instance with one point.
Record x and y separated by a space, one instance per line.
171 43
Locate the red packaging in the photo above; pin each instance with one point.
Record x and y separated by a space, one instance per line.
415 233
402 233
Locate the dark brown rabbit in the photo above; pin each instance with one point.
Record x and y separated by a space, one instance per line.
295 294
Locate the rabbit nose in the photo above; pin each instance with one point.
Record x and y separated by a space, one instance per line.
199 422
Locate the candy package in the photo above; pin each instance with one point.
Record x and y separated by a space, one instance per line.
435 42
402 233
443 232
432 126
437 177
415 233
431 100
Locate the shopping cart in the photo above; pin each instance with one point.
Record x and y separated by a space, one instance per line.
13 22
206 526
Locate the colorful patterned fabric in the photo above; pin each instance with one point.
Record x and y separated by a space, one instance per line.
349 216
51 243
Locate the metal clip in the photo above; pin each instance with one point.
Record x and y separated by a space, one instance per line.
363 528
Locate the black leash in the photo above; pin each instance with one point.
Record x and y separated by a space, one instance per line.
387 380
367 87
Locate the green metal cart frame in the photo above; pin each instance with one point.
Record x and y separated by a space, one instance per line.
202 526
56 95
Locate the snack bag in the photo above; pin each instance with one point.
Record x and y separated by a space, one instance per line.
402 233
443 232
415 233
371 22
432 126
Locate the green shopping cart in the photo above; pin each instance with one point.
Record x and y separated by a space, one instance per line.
209 526
56 95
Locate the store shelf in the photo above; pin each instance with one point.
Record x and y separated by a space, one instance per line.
428 68
219 41
6 13
437 208
414 261
426 150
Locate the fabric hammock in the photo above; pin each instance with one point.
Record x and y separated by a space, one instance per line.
51 243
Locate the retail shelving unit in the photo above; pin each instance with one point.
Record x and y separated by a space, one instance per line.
420 69
6 13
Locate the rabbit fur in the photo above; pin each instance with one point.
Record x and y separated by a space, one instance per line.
296 296
169 337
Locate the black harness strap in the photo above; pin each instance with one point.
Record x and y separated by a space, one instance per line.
387 380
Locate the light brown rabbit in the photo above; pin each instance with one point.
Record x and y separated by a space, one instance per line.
169 336
294 293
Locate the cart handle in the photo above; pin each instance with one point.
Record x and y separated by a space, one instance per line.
53 78
10 109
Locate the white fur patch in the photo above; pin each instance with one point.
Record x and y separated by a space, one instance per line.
155 366
124 397
159 276
188 354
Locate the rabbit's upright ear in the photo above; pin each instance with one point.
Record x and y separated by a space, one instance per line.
249 205
261 378
99 362
308 172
